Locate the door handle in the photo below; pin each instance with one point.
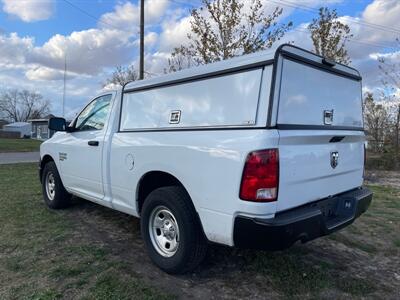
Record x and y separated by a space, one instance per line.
93 143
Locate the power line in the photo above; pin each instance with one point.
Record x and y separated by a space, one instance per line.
370 24
371 44
88 14
312 9
151 73
281 2
353 40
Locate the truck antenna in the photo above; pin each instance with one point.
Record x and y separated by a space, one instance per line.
141 64
65 83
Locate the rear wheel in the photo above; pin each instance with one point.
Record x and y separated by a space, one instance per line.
54 194
172 231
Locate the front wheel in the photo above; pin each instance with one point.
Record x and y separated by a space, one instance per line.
54 194
172 231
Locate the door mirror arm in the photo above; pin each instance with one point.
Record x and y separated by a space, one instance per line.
70 129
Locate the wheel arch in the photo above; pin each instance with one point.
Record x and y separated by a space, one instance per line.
46 158
153 180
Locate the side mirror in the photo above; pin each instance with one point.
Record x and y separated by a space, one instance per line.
57 124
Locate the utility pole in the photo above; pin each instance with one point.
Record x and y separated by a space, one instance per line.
65 83
141 64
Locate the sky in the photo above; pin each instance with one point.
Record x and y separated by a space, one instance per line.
95 36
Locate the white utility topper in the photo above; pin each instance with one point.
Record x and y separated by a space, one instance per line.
258 151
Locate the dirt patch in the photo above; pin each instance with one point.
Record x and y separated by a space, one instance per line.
91 252
348 264
388 178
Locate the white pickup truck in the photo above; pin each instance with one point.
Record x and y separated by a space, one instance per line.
259 151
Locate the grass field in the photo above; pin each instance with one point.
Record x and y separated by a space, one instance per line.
42 258
91 252
19 145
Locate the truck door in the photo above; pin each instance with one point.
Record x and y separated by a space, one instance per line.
81 151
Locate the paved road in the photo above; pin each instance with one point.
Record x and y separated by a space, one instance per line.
18 157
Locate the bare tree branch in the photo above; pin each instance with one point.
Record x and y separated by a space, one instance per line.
390 94
122 75
377 122
20 106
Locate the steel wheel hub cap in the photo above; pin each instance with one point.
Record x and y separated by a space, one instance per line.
50 186
164 231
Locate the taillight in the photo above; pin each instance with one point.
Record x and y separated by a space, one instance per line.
260 176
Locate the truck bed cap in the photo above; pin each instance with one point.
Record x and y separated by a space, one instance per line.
234 64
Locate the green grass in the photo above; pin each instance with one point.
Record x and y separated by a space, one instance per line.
19 145
44 256
354 243
41 257
294 276
303 271
289 273
108 287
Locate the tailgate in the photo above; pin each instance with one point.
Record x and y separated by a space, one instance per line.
320 123
309 171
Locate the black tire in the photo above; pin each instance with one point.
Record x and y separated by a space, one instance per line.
61 198
192 246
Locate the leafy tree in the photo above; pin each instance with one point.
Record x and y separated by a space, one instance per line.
376 119
180 59
222 29
122 75
391 81
329 36
22 105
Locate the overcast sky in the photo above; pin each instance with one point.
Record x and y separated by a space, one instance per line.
97 35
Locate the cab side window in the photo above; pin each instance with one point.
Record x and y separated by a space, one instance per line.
94 116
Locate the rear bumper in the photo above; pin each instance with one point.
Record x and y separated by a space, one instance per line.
303 223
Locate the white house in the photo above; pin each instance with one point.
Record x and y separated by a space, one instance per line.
23 128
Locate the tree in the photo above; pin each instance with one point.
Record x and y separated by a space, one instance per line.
376 119
391 81
122 75
222 29
180 59
22 105
329 36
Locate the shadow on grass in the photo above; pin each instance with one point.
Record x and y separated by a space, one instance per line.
294 272
72 253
